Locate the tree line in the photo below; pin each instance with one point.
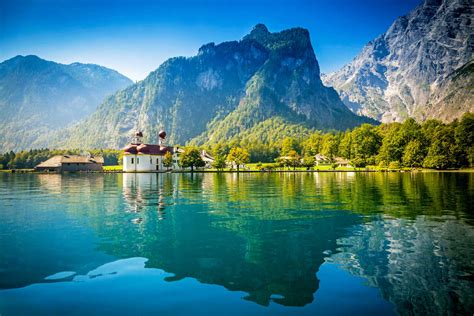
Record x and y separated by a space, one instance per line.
28 159
431 144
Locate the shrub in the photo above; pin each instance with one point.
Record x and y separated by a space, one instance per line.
394 165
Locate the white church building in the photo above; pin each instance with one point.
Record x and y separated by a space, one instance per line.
140 157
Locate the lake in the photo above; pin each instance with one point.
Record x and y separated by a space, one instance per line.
237 244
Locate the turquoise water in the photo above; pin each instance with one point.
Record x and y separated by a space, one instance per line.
237 244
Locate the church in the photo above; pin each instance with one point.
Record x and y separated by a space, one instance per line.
140 157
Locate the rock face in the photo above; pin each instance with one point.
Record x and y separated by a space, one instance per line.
39 96
224 91
410 70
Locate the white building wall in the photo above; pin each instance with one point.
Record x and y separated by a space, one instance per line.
129 163
143 163
147 163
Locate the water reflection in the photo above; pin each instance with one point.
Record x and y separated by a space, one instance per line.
424 267
268 235
211 238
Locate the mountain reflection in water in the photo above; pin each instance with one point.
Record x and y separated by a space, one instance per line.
267 235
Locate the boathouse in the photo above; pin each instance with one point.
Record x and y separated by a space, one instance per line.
71 163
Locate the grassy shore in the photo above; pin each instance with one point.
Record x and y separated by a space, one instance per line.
255 167
270 167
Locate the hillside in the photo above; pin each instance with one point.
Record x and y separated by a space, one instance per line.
39 96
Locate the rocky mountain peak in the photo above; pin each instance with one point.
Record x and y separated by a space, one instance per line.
227 91
259 29
401 73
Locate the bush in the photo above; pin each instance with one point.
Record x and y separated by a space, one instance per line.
394 165
370 161
359 162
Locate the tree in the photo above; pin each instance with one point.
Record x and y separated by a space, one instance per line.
415 153
288 144
260 152
329 146
191 158
220 149
168 160
293 159
308 161
219 162
238 156
390 150
396 139
345 146
366 141
394 165
359 162
312 145
443 152
464 133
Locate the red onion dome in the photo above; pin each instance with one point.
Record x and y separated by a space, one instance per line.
162 134
143 149
131 149
139 134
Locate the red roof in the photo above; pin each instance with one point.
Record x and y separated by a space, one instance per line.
131 149
147 149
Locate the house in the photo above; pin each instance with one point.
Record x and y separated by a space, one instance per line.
341 162
207 158
140 157
71 163
322 160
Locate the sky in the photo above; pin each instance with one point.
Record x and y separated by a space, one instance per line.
135 37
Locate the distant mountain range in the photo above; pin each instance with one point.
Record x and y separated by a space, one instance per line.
262 87
422 67
39 96
257 89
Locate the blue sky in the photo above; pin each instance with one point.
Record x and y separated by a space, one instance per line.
135 37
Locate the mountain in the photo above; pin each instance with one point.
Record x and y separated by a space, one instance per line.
39 96
421 67
266 83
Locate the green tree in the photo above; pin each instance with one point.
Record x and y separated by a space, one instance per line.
394 165
288 144
464 133
309 161
219 162
220 149
238 156
191 158
293 159
390 149
443 152
366 141
359 162
312 145
262 152
329 146
345 146
415 153
168 160
396 138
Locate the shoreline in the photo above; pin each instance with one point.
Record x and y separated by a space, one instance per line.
32 171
